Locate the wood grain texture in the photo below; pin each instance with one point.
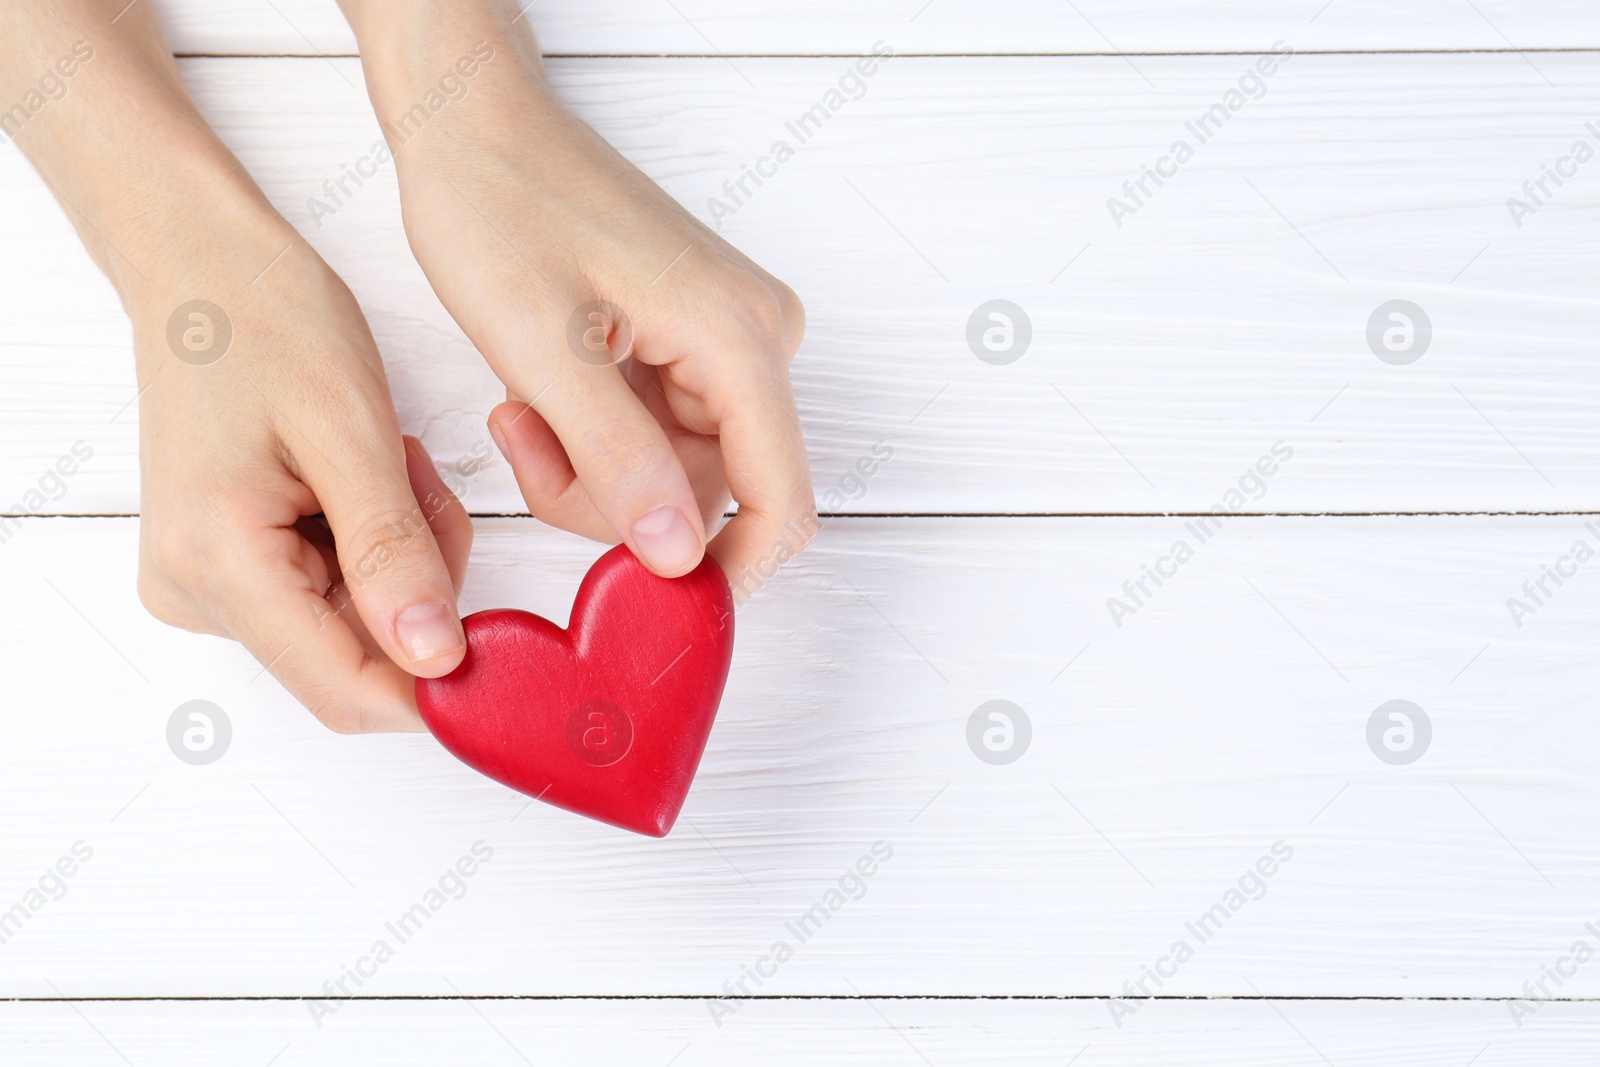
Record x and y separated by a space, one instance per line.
870 1033
1228 313
1224 720
1228 715
789 27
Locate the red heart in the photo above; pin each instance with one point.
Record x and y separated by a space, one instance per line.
607 718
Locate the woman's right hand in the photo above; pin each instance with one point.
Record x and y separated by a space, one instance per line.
280 505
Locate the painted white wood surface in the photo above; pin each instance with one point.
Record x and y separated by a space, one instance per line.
1166 357
1167 756
881 1032
791 27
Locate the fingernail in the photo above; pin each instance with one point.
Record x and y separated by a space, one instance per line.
500 441
666 540
428 631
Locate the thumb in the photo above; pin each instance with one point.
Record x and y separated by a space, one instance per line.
392 566
623 459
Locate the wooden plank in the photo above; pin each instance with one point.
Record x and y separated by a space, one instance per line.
887 1032
771 27
1226 718
1229 313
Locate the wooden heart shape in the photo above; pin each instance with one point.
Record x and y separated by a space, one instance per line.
607 718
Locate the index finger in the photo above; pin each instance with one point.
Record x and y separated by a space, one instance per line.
270 606
764 458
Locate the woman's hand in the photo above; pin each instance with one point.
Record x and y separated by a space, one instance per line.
646 359
279 504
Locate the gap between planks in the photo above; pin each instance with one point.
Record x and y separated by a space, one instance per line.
843 998
829 515
942 55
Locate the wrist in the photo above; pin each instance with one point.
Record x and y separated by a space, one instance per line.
152 219
198 222
431 65
195 229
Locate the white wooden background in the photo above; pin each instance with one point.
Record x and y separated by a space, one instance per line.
1167 754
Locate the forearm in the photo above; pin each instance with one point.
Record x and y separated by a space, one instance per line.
99 109
428 61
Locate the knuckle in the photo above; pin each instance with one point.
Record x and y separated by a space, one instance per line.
772 315
794 319
158 598
335 714
623 457
806 524
170 555
189 541
387 539
764 309
749 303
163 557
351 406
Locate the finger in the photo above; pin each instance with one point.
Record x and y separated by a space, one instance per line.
700 454
321 558
772 480
702 459
544 474
392 565
741 394
270 602
627 466
553 492
452 529
447 516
